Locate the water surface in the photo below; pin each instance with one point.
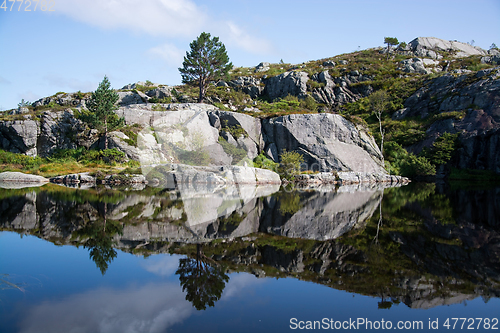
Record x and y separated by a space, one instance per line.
246 259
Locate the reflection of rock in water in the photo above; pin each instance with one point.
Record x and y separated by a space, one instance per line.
197 214
321 215
19 212
442 263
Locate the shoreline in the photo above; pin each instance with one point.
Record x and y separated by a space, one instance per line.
174 175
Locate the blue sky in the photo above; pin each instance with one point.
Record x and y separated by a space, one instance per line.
80 41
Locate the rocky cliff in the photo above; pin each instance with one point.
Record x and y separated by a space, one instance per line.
434 86
328 142
464 103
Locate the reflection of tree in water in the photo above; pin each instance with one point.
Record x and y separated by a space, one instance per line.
203 282
100 240
289 202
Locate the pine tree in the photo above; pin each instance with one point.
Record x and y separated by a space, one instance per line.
390 41
101 107
207 61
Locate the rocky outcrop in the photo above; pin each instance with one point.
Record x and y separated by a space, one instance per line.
61 130
19 177
430 47
475 96
288 83
417 65
160 92
173 175
326 141
121 142
340 91
251 140
62 99
250 85
20 136
131 97
262 67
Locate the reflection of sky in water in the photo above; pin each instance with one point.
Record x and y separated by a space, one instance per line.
135 295
149 308
65 292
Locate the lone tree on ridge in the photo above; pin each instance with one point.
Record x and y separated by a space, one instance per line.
390 41
207 61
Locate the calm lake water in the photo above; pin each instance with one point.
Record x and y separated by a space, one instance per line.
246 259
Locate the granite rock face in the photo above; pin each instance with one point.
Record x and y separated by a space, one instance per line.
288 83
252 140
477 97
131 97
426 47
249 85
327 142
60 130
20 136
341 90
415 65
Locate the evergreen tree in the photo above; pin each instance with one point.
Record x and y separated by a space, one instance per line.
101 107
390 41
207 61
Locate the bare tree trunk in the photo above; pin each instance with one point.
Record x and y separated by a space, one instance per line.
105 134
200 98
380 220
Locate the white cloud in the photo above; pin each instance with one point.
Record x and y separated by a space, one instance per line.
238 283
237 36
149 308
169 18
169 53
166 18
161 265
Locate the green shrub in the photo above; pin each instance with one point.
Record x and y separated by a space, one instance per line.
236 153
164 100
132 132
417 166
109 156
309 103
261 161
290 162
400 162
112 156
442 149
158 107
20 159
311 84
235 130
80 95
